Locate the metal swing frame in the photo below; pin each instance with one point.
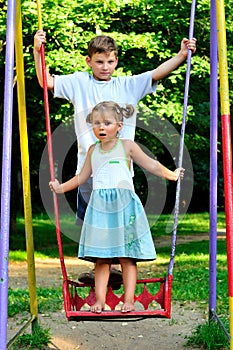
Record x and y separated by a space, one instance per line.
158 305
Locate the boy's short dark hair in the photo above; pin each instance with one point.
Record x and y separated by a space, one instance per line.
102 43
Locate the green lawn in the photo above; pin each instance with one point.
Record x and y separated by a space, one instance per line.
191 268
190 274
45 234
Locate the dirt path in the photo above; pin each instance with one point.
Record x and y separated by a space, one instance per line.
148 334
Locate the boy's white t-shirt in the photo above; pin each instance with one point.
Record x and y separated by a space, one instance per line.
85 92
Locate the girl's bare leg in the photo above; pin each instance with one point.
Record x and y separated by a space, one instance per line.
129 274
102 270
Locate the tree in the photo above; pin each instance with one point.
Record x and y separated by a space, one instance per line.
147 33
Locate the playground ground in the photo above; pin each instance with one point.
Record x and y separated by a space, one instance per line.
149 334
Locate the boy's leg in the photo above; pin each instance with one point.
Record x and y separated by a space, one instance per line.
129 272
102 271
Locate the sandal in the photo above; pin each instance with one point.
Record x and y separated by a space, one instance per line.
115 278
87 277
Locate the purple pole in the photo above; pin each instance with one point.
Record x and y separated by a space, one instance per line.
6 171
213 155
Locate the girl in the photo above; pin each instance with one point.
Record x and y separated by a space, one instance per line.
115 226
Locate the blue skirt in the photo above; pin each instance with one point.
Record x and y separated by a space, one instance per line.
115 225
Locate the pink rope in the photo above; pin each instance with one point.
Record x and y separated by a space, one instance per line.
51 162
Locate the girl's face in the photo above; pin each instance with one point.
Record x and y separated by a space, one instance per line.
102 65
105 126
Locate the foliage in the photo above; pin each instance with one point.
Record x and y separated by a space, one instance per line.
190 284
44 236
37 340
45 241
189 224
191 264
49 300
209 336
147 33
186 255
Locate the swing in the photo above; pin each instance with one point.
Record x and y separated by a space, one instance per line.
149 305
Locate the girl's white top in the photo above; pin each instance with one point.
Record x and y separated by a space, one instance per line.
110 169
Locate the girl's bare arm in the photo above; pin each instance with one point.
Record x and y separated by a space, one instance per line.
150 164
75 181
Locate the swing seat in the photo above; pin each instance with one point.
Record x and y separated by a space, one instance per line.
78 297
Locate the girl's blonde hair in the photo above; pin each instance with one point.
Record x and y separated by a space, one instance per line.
118 111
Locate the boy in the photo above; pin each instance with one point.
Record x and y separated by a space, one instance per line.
86 90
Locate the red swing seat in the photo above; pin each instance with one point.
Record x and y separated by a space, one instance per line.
158 305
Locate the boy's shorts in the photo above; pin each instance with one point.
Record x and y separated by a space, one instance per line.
84 193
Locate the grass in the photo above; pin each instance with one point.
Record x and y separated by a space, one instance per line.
37 340
44 233
190 275
44 236
189 224
209 336
49 300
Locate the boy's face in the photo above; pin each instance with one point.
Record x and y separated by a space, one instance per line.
102 65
